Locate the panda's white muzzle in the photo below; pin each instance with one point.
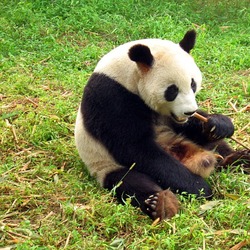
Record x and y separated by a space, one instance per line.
182 119
179 119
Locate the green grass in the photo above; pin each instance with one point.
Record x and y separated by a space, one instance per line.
48 49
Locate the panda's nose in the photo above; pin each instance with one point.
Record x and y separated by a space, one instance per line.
190 113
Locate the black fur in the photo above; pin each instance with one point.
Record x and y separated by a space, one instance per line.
171 93
122 122
188 41
141 54
135 185
193 85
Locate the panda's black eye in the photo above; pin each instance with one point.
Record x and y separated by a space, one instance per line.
171 93
193 85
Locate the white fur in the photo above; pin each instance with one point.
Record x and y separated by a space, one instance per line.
97 159
172 66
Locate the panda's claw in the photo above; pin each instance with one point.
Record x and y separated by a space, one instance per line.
162 205
153 206
212 129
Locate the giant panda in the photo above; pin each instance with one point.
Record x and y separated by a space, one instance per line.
135 129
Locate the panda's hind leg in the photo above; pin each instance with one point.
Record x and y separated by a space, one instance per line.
197 159
143 192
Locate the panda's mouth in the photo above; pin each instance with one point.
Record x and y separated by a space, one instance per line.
179 119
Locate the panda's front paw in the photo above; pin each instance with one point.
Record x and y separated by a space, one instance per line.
218 127
162 205
237 158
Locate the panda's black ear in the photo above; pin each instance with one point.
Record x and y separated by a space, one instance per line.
188 41
141 54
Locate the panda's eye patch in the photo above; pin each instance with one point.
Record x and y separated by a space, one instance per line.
193 85
171 93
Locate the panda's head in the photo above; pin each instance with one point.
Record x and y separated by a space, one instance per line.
169 77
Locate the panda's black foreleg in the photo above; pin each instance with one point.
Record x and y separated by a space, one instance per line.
143 192
221 147
210 135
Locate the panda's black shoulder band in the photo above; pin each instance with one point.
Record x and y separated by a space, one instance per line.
140 53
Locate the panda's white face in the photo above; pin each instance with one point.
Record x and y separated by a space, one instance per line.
161 72
170 85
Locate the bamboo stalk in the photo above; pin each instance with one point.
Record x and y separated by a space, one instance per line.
200 117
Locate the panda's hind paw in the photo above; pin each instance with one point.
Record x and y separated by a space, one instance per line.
162 205
202 163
